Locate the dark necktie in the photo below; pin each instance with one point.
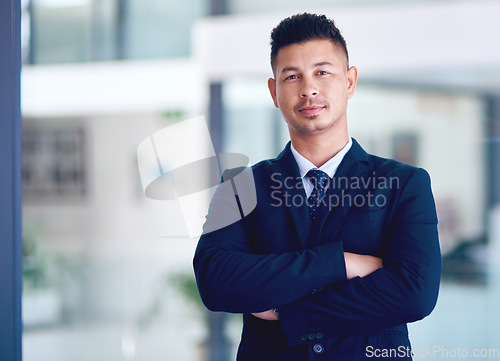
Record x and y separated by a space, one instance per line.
319 179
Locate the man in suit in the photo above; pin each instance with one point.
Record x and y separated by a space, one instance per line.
341 249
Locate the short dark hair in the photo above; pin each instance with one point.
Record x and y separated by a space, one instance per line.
303 27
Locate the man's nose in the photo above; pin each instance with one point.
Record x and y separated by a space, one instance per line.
309 89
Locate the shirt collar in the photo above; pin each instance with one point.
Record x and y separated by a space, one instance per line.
330 167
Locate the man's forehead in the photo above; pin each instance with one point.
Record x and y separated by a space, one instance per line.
318 52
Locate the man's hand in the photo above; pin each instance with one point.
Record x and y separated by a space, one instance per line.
360 265
267 315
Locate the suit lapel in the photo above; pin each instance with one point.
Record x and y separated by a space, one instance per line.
286 172
353 167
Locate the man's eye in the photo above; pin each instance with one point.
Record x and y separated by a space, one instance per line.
322 72
291 77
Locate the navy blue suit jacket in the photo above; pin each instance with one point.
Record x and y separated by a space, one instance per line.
275 258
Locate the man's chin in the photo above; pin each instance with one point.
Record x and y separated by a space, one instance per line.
313 130
311 125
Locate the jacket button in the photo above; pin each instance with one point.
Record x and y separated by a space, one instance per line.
319 335
303 337
318 348
312 336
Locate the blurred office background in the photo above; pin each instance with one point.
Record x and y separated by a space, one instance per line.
107 271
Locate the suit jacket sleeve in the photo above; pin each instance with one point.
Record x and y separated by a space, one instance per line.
232 279
405 290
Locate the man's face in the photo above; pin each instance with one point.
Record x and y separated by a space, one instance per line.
311 87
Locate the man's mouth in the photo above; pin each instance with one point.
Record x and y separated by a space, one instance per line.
309 111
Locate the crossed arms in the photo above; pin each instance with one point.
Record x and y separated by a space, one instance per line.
352 300
356 265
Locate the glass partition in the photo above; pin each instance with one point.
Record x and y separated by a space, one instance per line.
108 271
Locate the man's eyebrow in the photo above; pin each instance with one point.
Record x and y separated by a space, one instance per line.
290 68
315 65
322 63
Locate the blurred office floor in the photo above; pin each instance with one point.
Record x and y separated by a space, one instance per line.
465 318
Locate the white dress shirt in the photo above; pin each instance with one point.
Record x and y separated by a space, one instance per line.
330 167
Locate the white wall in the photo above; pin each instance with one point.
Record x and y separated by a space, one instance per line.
445 43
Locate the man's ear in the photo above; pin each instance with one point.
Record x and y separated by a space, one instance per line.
352 80
271 83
